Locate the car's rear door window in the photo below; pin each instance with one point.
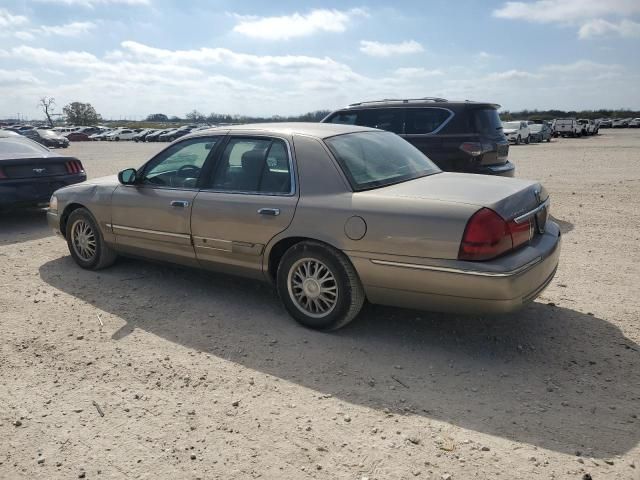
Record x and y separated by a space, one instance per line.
424 120
254 165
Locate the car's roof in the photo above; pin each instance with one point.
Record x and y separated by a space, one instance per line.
319 130
417 102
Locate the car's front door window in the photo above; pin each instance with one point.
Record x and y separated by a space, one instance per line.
180 165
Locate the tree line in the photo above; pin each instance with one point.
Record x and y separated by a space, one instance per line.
553 114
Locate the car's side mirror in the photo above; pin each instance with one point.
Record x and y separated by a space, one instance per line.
128 176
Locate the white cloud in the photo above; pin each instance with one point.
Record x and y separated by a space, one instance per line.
416 72
562 11
590 16
93 3
512 75
377 49
17 77
485 56
7 20
599 27
581 66
296 25
72 29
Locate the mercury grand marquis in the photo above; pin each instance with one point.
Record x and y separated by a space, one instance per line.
331 215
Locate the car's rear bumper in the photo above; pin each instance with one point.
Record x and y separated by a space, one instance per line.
29 192
506 169
500 286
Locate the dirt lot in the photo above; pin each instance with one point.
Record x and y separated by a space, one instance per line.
205 376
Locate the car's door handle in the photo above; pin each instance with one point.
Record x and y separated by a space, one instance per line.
179 203
269 211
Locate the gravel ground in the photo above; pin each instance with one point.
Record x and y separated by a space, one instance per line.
153 371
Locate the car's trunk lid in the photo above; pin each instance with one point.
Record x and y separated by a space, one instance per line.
36 167
509 197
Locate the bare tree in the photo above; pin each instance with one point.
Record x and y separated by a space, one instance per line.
47 104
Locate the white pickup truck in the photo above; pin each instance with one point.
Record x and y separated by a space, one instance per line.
568 127
588 127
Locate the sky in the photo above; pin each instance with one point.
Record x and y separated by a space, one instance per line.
130 58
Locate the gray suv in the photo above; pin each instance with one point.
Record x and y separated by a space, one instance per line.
458 136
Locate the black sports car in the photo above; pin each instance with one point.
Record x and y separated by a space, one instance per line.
30 173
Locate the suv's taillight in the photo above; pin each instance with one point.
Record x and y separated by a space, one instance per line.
74 166
475 149
2 174
488 235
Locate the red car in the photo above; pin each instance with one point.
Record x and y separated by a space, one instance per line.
78 137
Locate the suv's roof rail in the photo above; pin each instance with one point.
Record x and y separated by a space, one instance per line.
403 100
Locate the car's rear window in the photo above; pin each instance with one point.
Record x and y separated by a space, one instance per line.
20 146
485 120
375 159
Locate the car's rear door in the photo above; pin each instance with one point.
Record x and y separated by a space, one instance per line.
152 217
250 197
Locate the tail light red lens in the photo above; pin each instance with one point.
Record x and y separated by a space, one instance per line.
74 166
488 236
2 174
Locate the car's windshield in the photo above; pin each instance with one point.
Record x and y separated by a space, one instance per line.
511 125
376 159
47 133
536 127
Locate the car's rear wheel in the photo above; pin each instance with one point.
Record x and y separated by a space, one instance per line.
319 286
85 242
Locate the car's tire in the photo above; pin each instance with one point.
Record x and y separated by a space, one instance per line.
85 241
117 139
518 140
308 274
549 140
527 140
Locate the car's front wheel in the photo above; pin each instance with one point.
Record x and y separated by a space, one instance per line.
319 286
85 242
518 140
527 140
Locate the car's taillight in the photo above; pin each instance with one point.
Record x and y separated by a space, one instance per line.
2 174
475 149
488 235
74 166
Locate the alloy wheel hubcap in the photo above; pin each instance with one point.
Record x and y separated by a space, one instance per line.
83 240
312 287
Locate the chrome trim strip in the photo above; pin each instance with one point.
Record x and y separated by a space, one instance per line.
458 270
154 232
530 214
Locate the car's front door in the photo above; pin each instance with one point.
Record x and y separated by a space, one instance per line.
250 197
152 217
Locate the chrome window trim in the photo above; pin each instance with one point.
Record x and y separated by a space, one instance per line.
531 213
415 266
144 230
292 171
